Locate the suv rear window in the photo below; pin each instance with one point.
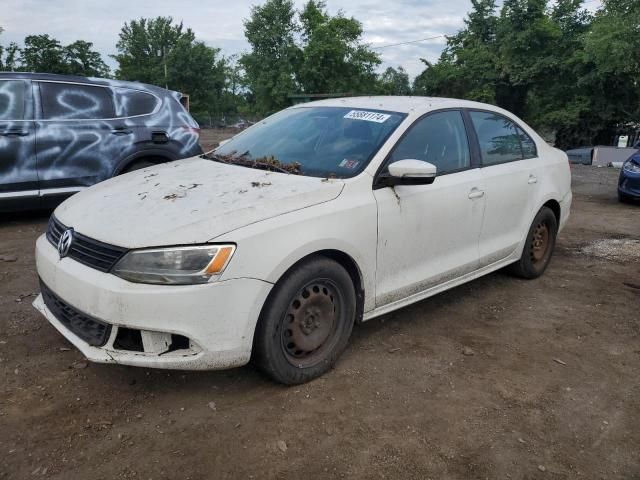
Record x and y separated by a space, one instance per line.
64 101
130 103
12 93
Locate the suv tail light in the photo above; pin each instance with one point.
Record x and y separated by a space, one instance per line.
191 130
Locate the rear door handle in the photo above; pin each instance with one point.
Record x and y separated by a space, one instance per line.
532 179
14 133
121 131
475 193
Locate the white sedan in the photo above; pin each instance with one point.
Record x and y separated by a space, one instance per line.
271 247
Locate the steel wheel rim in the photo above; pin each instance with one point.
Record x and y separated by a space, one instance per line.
540 243
310 324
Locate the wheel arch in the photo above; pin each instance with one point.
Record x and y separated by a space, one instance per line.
154 156
554 206
348 263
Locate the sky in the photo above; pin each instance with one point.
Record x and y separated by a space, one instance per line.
220 23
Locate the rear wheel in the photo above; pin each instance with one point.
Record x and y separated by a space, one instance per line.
306 322
538 247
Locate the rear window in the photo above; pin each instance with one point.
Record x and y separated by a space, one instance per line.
130 103
63 101
528 145
12 95
499 142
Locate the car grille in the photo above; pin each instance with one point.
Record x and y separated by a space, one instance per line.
92 331
85 250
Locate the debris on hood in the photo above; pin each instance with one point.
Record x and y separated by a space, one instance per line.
263 163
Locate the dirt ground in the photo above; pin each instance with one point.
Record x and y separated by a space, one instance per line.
548 385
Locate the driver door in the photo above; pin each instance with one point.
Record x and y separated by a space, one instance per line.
428 234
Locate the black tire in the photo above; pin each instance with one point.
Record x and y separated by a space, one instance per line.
622 198
137 165
539 245
306 322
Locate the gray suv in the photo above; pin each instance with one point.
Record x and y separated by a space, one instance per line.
60 134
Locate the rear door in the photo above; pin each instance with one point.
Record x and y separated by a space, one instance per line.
79 139
18 172
509 182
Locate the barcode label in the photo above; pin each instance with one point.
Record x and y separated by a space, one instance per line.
367 116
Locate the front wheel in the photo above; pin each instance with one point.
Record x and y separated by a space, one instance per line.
306 322
538 247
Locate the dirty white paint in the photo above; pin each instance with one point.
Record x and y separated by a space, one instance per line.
188 201
408 242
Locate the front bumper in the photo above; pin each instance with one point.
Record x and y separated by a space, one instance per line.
218 319
629 184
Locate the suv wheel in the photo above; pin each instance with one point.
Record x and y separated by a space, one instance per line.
538 247
137 165
306 322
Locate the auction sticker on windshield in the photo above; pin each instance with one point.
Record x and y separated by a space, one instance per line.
367 116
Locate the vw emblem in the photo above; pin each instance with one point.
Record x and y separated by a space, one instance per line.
64 244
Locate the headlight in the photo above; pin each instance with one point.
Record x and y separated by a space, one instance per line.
175 266
631 166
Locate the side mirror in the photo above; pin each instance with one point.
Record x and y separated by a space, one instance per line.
222 142
409 172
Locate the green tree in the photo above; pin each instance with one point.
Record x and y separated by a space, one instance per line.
43 54
81 59
394 82
144 46
468 66
334 59
274 58
9 56
162 53
555 67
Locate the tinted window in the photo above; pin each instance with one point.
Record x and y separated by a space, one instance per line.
528 145
61 101
130 103
440 139
12 94
324 141
497 136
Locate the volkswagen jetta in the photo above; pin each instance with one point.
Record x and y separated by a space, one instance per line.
272 246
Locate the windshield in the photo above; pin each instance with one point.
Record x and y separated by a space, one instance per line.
313 141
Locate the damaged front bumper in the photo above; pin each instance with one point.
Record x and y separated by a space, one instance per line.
110 320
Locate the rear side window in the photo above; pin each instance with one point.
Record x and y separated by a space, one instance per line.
65 101
12 96
528 145
440 139
130 103
499 141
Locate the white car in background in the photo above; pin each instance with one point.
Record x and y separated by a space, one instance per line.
273 245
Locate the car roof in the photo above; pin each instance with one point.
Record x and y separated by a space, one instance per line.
399 104
54 77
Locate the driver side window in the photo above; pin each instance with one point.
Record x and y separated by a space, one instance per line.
440 139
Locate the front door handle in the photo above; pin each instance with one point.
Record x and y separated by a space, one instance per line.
475 193
14 133
532 179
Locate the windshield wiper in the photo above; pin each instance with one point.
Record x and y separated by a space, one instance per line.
264 163
214 157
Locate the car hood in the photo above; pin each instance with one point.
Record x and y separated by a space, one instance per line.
188 201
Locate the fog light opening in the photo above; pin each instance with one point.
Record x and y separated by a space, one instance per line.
128 339
178 342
